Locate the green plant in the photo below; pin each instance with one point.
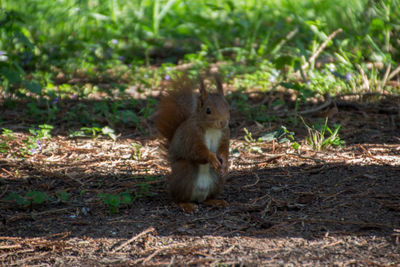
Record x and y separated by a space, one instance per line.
251 142
107 131
31 197
14 37
137 153
14 196
6 136
281 135
249 137
36 197
62 196
316 136
33 143
43 132
94 132
114 201
8 133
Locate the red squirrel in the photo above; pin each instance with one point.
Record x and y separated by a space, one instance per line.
197 133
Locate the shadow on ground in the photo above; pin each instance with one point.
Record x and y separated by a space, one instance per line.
307 201
369 119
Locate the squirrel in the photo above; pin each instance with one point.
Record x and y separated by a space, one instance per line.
197 133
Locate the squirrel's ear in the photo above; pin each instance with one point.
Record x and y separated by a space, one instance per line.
203 92
220 90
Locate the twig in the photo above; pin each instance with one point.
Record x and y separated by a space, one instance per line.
152 255
368 94
134 238
73 178
33 214
172 261
260 198
172 246
310 158
332 244
394 73
370 154
8 172
229 250
289 36
327 103
321 48
385 78
364 77
271 158
4 192
363 224
256 182
10 247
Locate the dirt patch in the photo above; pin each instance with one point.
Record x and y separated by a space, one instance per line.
339 207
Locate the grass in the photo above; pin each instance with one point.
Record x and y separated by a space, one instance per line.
317 138
74 63
43 38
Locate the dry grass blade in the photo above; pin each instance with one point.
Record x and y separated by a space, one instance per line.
320 49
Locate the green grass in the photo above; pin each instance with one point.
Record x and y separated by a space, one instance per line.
45 45
317 137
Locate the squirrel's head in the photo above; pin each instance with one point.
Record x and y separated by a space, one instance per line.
212 108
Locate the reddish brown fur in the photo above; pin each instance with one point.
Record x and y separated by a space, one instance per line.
175 107
183 121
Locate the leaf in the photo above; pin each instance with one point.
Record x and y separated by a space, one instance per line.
269 137
23 39
275 135
11 75
283 61
214 7
126 197
37 197
77 134
377 25
296 145
33 86
62 195
109 132
99 16
17 198
46 126
235 152
128 116
295 86
284 140
256 149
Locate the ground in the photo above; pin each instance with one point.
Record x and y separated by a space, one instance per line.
337 207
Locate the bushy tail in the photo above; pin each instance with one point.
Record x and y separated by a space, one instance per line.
175 107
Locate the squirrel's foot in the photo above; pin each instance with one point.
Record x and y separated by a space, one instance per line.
187 207
216 203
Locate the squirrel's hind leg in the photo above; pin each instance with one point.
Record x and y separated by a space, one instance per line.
181 181
187 207
216 203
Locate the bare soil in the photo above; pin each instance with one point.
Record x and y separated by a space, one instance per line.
338 207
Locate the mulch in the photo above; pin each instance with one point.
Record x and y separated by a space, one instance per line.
338 207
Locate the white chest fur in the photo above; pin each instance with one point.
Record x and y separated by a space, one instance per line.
211 138
205 180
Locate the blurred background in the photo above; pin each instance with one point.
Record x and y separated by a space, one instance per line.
52 51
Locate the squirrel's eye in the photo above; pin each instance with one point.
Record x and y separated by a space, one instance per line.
208 111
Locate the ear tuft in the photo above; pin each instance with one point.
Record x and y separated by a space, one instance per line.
203 92
220 89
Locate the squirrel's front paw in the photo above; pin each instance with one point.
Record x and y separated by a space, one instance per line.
214 161
224 165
